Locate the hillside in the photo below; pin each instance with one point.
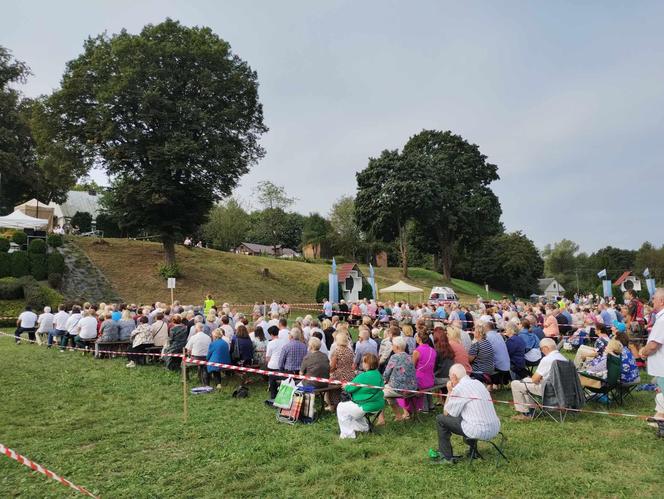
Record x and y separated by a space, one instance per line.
131 268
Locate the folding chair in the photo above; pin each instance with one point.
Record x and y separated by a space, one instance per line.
371 418
475 453
610 387
570 397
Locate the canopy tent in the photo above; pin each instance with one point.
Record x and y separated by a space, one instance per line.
19 220
402 287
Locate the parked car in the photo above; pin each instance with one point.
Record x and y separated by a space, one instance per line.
441 294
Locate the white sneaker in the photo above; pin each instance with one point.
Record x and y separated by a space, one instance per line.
131 364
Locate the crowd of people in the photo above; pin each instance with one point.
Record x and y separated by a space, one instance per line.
447 348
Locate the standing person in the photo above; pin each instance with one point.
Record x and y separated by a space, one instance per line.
26 323
654 353
424 358
468 412
59 324
208 304
273 358
44 325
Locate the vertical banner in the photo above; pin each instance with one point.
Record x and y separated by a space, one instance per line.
334 288
606 286
650 283
372 281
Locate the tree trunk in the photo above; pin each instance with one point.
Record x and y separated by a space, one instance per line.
403 249
169 250
446 257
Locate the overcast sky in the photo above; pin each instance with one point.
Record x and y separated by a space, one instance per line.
567 98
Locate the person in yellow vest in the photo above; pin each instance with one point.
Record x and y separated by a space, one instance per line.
209 303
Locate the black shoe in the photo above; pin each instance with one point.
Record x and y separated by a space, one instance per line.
269 403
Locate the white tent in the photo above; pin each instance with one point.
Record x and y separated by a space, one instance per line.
401 287
19 220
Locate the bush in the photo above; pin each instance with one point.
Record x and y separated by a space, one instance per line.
108 226
54 240
37 246
35 295
19 238
5 264
54 280
323 291
4 244
82 220
20 263
167 271
11 289
38 266
56 263
366 291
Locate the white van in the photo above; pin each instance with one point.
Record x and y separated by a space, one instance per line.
442 295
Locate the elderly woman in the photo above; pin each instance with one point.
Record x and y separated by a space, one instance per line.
408 332
460 353
177 339
260 345
516 348
364 345
551 329
385 350
315 364
399 375
328 331
242 348
480 354
424 358
219 353
126 325
141 339
341 366
363 400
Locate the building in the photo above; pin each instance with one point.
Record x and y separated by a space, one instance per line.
61 214
254 249
351 279
550 288
316 251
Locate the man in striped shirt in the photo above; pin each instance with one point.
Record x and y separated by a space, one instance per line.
469 412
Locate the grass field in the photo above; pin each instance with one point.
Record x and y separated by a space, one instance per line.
131 267
120 433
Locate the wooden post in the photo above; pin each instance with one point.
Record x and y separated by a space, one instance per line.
172 299
185 393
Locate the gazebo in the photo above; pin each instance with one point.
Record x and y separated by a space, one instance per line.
19 220
402 287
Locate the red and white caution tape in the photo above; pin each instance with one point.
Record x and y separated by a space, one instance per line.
11 454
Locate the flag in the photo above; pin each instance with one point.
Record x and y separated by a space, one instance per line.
646 272
601 274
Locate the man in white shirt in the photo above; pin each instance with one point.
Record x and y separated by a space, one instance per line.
26 323
197 347
535 384
654 352
283 329
86 329
468 412
59 325
70 326
273 357
44 325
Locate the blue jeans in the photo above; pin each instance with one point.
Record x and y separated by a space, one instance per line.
53 334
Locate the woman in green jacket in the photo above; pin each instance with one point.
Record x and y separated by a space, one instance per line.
363 400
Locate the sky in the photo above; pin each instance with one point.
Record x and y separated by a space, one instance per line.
567 98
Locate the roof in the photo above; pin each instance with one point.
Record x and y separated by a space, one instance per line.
80 201
622 278
401 287
345 269
543 284
19 220
268 250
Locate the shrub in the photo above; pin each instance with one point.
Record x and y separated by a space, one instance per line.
35 295
56 263
38 266
323 291
366 291
19 238
37 246
54 280
82 220
4 244
11 289
5 264
171 270
108 226
54 240
20 263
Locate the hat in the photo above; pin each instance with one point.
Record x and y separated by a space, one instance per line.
619 326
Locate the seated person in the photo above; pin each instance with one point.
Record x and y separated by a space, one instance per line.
531 339
469 412
535 384
399 374
218 352
584 353
315 364
480 355
629 372
516 347
350 414
242 348
598 368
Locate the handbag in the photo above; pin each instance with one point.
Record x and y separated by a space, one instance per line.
235 354
284 398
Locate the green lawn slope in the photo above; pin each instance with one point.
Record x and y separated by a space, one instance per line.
131 267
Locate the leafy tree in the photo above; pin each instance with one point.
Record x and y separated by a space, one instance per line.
272 196
316 229
560 261
82 220
346 236
174 117
615 260
107 224
459 206
227 226
652 258
509 262
273 219
391 192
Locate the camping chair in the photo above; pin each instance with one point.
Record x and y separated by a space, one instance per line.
610 387
474 453
562 392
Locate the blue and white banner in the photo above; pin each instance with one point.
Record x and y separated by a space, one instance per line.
646 272
602 274
606 287
650 283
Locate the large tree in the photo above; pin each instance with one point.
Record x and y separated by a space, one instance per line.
172 115
227 225
560 262
273 221
461 208
346 236
391 191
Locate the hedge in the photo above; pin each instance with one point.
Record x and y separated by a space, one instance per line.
56 263
38 266
19 238
37 246
5 264
54 240
4 244
11 289
54 280
20 263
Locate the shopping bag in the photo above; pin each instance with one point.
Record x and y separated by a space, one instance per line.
284 398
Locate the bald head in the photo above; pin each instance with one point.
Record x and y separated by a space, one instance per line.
457 371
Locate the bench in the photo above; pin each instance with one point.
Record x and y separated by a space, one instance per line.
115 346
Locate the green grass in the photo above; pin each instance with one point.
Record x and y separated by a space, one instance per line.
120 433
131 267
